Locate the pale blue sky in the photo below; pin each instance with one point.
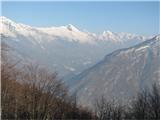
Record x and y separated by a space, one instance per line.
133 17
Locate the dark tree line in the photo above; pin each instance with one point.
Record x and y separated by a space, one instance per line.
145 106
32 92
108 110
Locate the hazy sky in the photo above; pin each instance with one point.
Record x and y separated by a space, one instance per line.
133 17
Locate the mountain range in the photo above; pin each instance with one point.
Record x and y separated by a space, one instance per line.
115 65
65 49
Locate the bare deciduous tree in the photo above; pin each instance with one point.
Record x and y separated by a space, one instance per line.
147 104
33 92
108 110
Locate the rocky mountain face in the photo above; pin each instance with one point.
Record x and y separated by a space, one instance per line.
64 49
121 74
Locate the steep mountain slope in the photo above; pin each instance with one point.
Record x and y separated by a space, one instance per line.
120 74
65 49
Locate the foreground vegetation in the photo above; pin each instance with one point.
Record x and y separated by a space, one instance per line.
32 92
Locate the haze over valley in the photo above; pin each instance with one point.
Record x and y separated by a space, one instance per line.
80 60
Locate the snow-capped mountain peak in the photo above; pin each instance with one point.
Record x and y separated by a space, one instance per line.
70 27
7 26
107 33
157 37
6 20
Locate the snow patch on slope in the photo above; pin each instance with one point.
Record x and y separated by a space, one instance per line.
143 47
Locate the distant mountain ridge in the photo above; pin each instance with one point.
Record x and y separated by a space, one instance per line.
69 31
